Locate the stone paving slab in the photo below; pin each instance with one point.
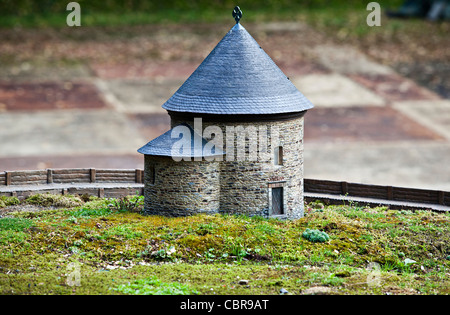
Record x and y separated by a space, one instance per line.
139 96
67 132
363 124
347 60
145 70
393 87
435 115
418 164
150 125
335 90
31 96
28 72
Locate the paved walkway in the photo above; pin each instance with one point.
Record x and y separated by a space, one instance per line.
369 125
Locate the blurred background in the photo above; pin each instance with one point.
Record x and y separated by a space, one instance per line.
90 96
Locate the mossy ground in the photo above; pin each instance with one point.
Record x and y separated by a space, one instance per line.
102 247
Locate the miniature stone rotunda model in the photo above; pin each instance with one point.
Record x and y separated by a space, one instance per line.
236 143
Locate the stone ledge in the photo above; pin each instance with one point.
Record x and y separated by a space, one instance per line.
109 190
392 204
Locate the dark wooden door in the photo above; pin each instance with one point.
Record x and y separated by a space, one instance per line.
277 201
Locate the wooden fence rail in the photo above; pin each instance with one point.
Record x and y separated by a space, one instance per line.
69 176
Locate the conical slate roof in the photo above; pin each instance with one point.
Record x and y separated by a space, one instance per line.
238 77
162 145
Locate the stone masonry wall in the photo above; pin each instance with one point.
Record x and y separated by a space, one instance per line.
180 188
245 186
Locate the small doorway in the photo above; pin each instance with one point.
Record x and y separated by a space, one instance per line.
277 201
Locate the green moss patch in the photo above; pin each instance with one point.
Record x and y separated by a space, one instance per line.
15 224
154 286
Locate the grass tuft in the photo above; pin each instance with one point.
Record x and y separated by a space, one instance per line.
50 200
6 201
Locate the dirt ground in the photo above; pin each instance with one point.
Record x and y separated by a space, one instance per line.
419 52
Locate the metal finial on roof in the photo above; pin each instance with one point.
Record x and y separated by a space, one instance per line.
237 14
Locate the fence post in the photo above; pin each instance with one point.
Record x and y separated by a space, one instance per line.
344 187
92 174
138 176
441 197
390 193
49 176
